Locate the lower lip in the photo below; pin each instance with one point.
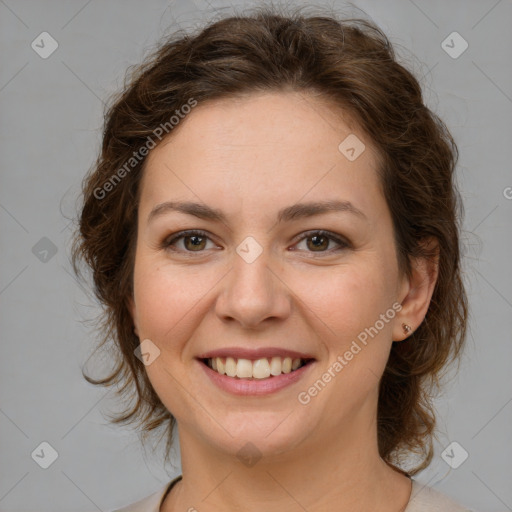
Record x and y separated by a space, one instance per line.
255 387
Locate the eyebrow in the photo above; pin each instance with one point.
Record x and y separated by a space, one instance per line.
290 213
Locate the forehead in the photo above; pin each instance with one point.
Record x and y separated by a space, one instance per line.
283 146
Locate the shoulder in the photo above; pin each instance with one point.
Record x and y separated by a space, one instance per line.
150 503
423 499
427 499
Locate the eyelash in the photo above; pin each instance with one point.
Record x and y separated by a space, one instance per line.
169 241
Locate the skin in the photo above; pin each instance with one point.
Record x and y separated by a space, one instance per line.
250 157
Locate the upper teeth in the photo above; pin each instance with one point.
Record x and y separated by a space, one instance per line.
258 369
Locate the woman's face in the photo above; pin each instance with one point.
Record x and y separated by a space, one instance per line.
259 285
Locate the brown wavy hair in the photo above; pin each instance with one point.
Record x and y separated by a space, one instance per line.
351 64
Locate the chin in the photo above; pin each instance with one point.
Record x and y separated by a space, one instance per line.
258 434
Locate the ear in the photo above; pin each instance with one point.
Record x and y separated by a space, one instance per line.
130 303
416 290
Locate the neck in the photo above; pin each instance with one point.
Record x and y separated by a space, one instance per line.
345 474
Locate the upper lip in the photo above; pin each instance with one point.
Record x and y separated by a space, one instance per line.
253 354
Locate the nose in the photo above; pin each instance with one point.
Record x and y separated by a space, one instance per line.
253 293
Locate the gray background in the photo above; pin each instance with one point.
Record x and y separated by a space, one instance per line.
51 119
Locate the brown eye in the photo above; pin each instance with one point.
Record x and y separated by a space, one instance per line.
318 241
196 242
193 241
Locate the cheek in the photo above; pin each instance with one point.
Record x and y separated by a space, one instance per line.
360 313
347 299
350 309
165 299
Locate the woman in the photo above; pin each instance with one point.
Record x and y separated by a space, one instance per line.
273 229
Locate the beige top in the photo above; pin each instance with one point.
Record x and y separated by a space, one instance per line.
423 499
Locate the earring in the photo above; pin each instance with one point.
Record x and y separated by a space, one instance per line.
407 328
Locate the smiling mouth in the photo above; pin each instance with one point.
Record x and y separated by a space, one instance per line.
263 368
